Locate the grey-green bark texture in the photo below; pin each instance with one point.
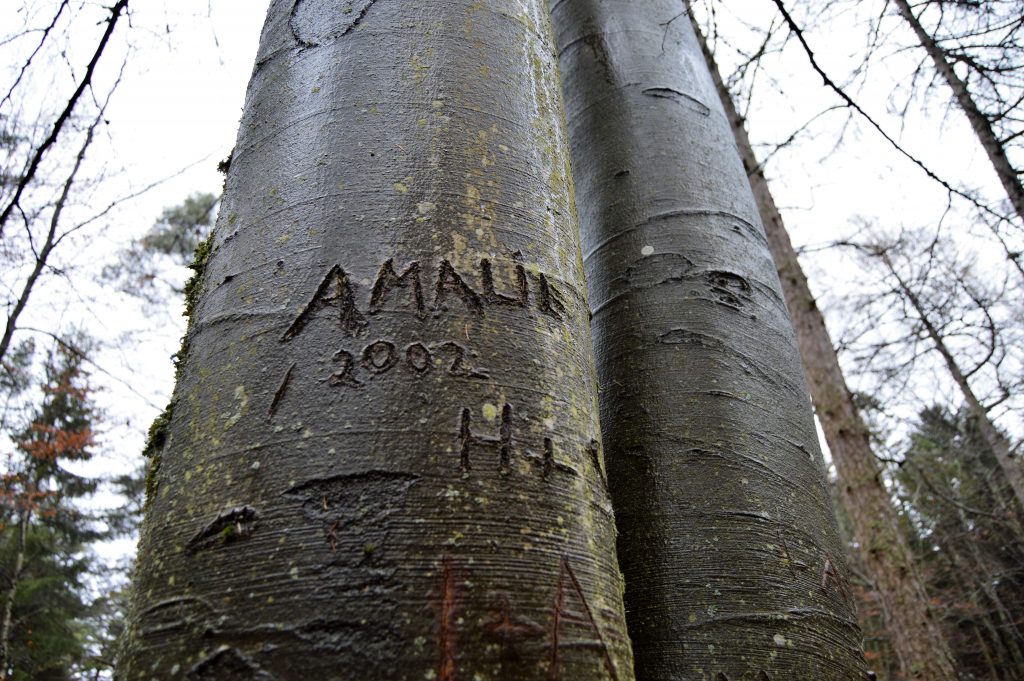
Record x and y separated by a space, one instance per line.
383 459
728 545
912 626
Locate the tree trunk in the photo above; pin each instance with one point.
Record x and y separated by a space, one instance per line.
382 459
1008 462
1008 177
727 539
12 591
915 633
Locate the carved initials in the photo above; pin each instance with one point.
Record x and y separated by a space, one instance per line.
379 357
492 296
387 279
509 630
343 376
467 439
567 583
595 457
341 295
337 290
550 299
448 280
447 665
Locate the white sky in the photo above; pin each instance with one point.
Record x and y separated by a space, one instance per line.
179 107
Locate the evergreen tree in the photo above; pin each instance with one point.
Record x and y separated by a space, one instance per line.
968 535
144 268
45 534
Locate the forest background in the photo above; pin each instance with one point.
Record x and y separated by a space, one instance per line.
104 315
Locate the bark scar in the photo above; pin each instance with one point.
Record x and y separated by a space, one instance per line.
310 29
229 526
682 98
227 663
279 393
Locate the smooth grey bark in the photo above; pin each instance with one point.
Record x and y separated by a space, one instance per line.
1008 176
382 459
913 627
727 539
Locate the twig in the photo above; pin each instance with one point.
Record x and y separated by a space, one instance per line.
829 83
58 125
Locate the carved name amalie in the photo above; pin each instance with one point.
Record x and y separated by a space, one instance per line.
420 291
446 288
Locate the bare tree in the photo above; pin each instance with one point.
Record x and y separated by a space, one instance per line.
26 177
42 166
997 30
982 38
915 630
952 313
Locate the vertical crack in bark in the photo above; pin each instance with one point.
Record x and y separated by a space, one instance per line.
280 392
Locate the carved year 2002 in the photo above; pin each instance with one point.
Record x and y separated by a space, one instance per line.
383 356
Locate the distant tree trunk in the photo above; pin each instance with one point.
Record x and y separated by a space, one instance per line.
1008 176
1008 462
733 564
382 460
913 628
12 591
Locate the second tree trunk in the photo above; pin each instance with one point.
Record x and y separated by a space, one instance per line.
732 560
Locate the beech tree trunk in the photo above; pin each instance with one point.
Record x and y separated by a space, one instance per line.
1008 176
913 628
383 455
733 564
